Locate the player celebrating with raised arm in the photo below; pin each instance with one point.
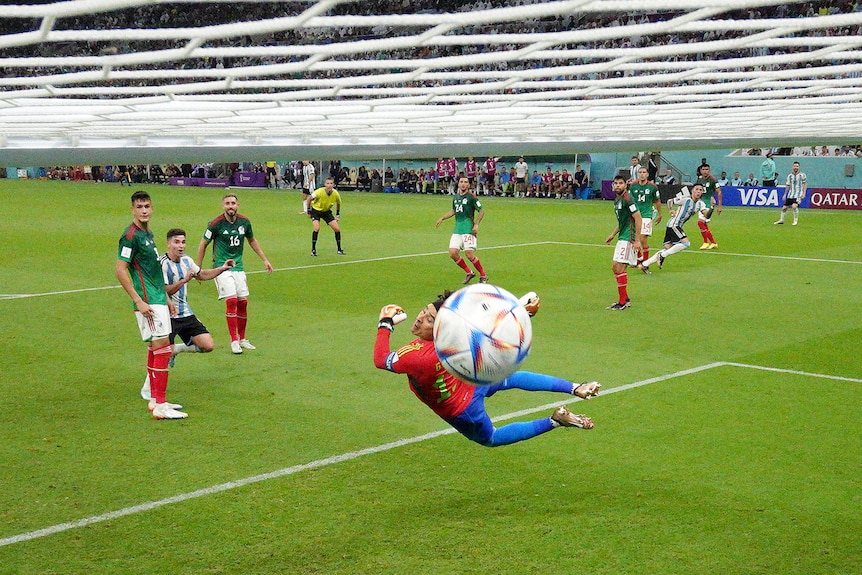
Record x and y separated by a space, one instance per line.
628 246
460 404
319 206
468 212
139 272
228 233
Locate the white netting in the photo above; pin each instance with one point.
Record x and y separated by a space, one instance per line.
596 73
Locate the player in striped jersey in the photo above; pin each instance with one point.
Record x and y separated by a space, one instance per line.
179 269
682 207
794 193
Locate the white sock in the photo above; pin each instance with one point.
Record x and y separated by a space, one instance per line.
781 217
795 215
674 249
653 258
181 347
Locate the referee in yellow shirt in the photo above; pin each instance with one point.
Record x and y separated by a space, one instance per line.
319 207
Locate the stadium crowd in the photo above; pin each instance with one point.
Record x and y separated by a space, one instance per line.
197 15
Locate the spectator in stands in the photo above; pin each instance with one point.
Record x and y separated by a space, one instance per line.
668 178
751 181
737 179
723 181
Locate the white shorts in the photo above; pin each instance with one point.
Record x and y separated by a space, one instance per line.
157 326
646 226
624 253
231 284
467 242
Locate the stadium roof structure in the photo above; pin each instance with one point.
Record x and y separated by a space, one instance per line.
142 80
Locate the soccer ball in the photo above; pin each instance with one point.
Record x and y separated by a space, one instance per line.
482 334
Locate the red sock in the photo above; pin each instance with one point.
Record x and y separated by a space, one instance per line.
463 265
644 255
704 230
241 317
711 237
230 314
478 266
622 284
158 368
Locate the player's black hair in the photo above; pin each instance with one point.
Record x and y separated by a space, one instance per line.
441 299
176 232
140 196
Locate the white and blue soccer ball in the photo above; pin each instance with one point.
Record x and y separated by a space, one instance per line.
482 334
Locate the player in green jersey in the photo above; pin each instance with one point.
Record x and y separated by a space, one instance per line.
646 197
628 246
712 201
140 273
468 212
228 232
319 207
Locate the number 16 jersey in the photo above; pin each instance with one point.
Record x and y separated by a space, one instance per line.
229 238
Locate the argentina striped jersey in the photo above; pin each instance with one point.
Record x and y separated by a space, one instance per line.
685 209
796 185
174 272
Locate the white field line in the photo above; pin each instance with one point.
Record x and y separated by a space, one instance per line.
426 254
293 268
732 254
60 527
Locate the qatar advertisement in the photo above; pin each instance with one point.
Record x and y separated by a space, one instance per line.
770 197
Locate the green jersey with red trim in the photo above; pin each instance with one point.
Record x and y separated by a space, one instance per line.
138 248
465 208
644 196
624 207
228 239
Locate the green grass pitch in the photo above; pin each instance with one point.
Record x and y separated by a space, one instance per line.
733 445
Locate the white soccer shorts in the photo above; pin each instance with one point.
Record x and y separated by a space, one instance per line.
625 253
467 242
157 326
646 226
231 284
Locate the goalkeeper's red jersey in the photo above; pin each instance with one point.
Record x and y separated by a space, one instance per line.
432 384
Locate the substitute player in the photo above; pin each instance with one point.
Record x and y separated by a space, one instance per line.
319 207
228 232
468 212
139 272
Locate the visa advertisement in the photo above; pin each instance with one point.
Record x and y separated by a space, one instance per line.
770 197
